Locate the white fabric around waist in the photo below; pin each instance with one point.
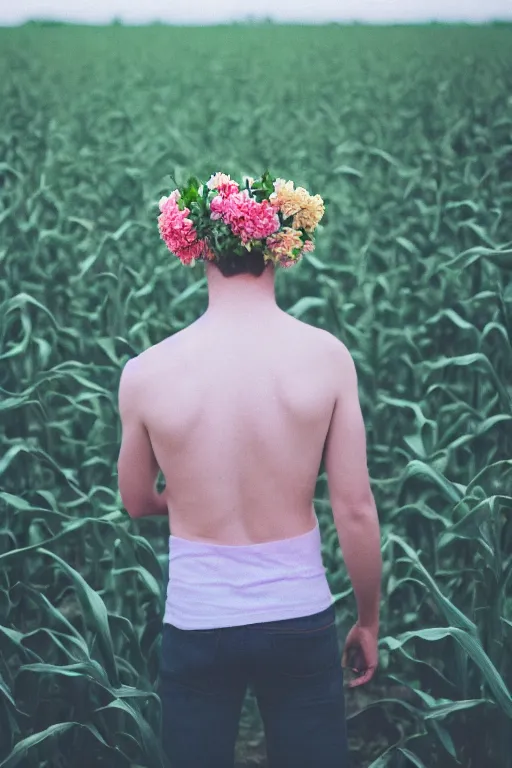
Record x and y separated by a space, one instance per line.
221 585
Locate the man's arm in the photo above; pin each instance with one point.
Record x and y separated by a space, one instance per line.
353 505
137 467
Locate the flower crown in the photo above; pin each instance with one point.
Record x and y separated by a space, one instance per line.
269 216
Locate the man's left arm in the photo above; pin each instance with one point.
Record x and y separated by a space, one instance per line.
137 467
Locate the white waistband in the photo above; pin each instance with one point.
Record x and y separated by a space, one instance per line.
222 585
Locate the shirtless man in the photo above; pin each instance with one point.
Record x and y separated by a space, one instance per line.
237 411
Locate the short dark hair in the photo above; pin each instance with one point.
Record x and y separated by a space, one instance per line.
249 263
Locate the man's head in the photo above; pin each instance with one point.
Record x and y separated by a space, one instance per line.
240 227
249 263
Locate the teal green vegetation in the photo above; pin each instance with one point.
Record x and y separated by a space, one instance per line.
407 135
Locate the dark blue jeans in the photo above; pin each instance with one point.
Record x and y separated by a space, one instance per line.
294 668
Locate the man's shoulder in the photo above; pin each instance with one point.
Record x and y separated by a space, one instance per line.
334 348
337 349
136 368
151 355
139 372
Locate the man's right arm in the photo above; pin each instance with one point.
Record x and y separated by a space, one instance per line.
352 501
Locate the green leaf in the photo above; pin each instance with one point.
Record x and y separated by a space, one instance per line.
417 468
95 614
502 258
23 748
450 611
443 710
346 170
474 650
306 303
414 759
191 290
150 743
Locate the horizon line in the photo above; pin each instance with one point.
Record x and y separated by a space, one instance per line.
263 21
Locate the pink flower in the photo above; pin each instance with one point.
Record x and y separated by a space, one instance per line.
217 207
247 219
223 183
208 254
289 262
308 247
282 245
190 253
174 197
284 242
178 232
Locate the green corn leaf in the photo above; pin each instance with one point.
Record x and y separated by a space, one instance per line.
24 747
95 613
474 650
305 304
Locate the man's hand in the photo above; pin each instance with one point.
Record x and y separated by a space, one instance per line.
361 655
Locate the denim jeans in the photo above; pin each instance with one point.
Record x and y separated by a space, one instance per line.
294 669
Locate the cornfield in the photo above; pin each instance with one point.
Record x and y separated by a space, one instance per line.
407 134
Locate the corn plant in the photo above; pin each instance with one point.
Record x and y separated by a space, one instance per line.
407 134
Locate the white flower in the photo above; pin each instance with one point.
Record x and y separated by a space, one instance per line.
279 186
282 184
217 179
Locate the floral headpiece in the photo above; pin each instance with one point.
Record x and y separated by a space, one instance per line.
269 216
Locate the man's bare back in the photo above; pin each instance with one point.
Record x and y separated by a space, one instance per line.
237 411
238 415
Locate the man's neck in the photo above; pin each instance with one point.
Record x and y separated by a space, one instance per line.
241 296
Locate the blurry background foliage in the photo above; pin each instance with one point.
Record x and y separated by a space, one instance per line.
407 134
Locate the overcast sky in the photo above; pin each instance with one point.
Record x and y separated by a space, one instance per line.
211 11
